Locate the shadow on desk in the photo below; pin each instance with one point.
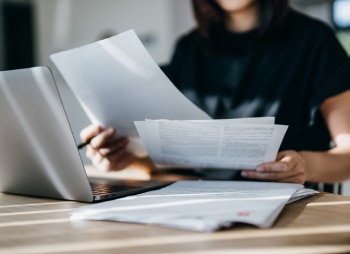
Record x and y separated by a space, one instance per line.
298 209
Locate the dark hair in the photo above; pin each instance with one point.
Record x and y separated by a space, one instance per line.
208 13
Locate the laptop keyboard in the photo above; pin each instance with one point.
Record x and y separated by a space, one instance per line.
105 188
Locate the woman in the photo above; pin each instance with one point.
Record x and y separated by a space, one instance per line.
251 58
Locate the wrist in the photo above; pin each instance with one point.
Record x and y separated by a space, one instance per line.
308 160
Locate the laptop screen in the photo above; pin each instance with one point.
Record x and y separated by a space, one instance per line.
38 154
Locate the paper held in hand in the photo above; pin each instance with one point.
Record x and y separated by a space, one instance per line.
225 144
117 82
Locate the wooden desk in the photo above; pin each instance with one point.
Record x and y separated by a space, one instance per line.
318 224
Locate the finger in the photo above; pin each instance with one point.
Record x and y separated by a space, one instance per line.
266 175
90 131
103 138
97 159
123 161
116 146
90 152
116 160
285 161
272 167
259 175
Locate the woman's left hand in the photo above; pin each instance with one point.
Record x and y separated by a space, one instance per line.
289 167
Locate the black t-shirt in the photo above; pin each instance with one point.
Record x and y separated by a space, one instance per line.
287 73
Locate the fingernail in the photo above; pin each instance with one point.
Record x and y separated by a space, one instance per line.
243 173
259 168
278 167
110 130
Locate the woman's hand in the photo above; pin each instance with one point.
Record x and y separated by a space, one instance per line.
106 151
289 167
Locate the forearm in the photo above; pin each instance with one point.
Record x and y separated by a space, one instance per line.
329 167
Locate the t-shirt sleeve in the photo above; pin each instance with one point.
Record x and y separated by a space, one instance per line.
332 70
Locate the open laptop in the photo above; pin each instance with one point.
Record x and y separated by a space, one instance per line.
38 153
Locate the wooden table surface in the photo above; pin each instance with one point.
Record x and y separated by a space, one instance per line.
317 224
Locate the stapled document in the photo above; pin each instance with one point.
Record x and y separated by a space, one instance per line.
204 206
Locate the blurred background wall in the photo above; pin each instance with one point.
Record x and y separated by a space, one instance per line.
31 30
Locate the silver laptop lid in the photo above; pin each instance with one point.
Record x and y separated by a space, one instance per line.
38 155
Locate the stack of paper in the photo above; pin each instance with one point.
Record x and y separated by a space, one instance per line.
227 144
200 205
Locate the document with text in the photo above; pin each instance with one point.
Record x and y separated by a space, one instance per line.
221 144
204 206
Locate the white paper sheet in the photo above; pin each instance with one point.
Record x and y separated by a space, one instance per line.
198 205
117 82
225 144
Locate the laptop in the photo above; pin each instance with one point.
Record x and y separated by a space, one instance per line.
38 153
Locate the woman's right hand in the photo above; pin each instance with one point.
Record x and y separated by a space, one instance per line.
106 151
